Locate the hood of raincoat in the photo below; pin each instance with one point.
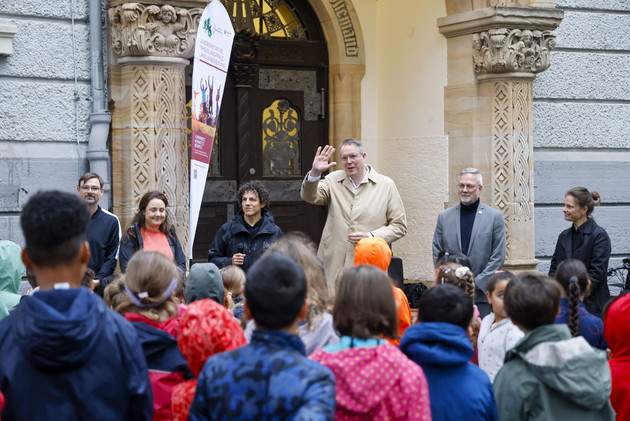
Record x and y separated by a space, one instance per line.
204 281
356 370
207 328
568 365
11 270
617 326
57 329
437 344
373 251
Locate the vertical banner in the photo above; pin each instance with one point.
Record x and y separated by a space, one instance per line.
212 57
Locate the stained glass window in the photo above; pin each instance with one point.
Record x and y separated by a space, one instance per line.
275 19
281 139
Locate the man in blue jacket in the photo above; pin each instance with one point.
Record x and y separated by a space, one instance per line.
244 239
103 233
65 356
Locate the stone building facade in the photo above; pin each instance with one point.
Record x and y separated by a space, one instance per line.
430 87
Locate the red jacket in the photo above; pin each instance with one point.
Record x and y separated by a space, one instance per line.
206 328
616 328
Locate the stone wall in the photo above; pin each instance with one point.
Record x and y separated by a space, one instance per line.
581 110
44 103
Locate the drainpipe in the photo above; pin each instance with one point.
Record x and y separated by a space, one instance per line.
100 119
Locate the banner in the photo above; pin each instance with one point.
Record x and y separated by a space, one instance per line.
212 57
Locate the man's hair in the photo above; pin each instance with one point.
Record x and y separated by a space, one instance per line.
532 300
474 171
54 224
365 305
354 142
447 304
260 189
90 175
275 291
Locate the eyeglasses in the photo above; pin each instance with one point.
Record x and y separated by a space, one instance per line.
467 186
351 157
90 188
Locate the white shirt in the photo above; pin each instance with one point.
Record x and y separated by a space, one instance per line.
494 342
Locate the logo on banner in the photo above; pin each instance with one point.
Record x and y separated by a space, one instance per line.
207 26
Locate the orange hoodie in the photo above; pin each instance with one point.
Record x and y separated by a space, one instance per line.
376 252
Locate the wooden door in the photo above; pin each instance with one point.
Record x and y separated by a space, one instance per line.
272 119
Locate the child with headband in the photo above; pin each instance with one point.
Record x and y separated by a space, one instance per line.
462 278
151 283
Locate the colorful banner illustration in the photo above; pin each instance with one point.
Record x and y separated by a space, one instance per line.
212 58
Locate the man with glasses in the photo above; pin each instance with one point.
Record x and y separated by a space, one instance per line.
361 203
474 229
103 233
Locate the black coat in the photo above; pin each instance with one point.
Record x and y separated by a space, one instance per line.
234 237
129 245
593 250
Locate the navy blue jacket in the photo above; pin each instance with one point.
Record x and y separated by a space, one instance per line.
458 389
269 379
66 356
233 237
103 235
130 245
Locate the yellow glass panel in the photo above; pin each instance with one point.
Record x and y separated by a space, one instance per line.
281 139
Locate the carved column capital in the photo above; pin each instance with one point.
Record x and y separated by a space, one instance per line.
503 50
153 30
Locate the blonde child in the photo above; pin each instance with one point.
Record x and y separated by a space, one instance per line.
234 285
497 333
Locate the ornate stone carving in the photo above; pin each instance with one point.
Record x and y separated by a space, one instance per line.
153 30
503 50
511 153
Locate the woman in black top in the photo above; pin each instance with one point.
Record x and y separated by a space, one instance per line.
585 241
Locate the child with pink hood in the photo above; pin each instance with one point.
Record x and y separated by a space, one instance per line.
374 379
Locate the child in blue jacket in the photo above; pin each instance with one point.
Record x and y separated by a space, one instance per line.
271 378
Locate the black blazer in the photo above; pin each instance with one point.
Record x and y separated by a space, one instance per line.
594 251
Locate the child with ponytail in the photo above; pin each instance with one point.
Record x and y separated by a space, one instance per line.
573 278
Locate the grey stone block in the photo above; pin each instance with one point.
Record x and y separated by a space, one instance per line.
35 110
584 30
549 223
553 179
43 8
10 229
590 4
581 125
585 75
45 50
24 176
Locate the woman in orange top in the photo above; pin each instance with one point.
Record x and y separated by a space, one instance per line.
151 230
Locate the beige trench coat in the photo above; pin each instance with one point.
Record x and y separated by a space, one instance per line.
376 207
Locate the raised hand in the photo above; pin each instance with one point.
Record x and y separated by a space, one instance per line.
320 162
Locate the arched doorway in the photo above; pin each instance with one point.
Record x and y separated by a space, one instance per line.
273 117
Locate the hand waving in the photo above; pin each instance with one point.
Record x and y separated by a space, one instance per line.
320 162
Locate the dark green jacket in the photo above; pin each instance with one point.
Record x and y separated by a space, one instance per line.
549 375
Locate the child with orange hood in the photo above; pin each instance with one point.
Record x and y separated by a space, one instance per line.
375 251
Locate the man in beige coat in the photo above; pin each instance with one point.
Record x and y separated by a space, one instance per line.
361 203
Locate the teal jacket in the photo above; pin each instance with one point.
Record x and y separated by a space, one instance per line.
549 375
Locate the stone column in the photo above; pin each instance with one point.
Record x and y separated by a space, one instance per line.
494 54
345 102
150 48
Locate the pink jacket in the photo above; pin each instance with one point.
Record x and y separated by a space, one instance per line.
378 383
